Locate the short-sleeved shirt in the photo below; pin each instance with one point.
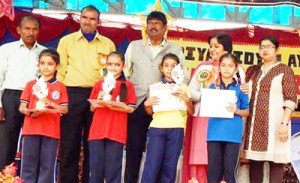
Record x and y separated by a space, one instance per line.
228 129
47 124
108 123
170 119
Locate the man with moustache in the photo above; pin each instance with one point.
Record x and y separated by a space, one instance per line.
142 60
18 65
79 71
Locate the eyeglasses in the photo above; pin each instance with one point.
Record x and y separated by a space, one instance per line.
266 47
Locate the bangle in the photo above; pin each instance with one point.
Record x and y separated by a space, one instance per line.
284 123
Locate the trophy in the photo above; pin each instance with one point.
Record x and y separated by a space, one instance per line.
102 58
40 90
108 84
177 76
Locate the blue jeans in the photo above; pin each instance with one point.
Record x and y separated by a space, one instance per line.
163 150
222 161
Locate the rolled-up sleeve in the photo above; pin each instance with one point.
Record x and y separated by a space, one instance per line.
289 89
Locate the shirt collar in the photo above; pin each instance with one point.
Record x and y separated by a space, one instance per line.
89 36
21 43
164 81
79 35
234 83
162 44
51 81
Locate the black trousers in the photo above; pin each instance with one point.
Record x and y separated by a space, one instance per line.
138 124
75 128
256 171
10 127
222 161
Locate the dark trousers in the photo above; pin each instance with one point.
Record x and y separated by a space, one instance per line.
10 127
256 171
105 161
222 161
77 120
163 150
38 159
138 124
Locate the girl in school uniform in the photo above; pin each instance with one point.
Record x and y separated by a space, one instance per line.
166 130
224 135
108 132
41 129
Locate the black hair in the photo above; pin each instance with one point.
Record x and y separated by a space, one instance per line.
236 62
91 8
270 38
28 17
232 56
51 52
171 56
158 15
223 39
123 89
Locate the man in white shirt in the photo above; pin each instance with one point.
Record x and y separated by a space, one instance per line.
18 65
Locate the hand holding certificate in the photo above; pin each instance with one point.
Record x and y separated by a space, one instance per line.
167 100
217 103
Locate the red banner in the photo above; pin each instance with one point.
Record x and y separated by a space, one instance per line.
6 9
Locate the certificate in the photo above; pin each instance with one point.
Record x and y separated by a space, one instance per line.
215 101
167 101
295 153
